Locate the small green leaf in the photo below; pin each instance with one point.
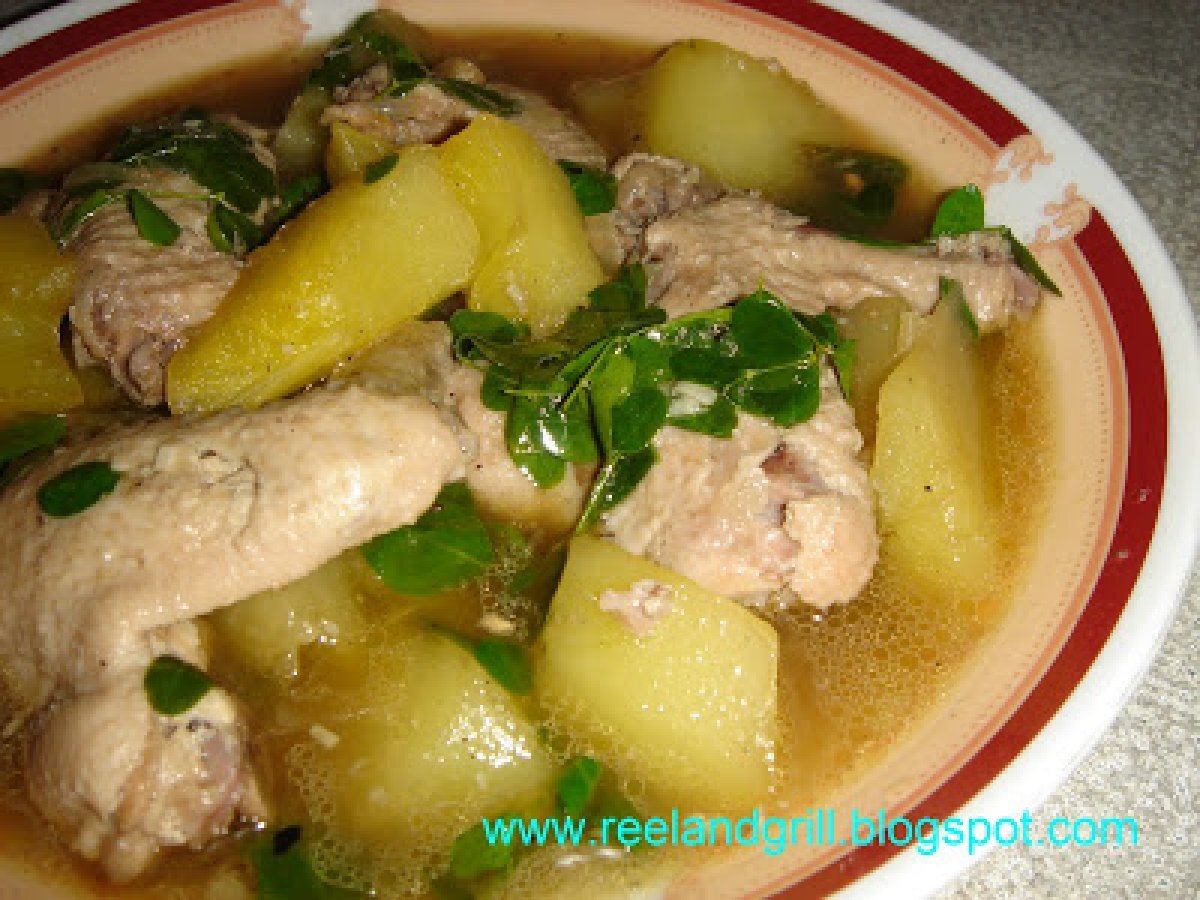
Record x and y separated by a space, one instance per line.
283 870
711 366
472 854
1028 264
152 223
14 185
372 172
595 190
637 418
786 395
950 291
446 547
483 98
526 441
718 419
960 213
294 198
767 332
470 328
616 480
845 358
874 203
507 662
72 217
77 489
577 785
174 686
230 231
29 434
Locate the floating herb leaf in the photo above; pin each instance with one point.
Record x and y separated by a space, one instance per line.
595 189
231 231
950 291
283 870
482 98
615 481
373 171
444 548
577 785
69 219
507 662
214 154
961 212
294 198
14 185
1027 263
597 387
717 418
174 686
77 489
152 223
472 854
374 37
29 434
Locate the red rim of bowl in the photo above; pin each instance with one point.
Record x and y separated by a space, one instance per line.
1128 305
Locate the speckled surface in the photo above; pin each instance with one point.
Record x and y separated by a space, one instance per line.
1126 75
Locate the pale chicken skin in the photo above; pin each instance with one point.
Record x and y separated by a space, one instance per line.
708 255
419 358
206 512
429 114
134 302
768 516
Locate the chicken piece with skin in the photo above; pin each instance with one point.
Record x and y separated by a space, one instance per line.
135 301
206 512
419 358
428 113
708 255
766 516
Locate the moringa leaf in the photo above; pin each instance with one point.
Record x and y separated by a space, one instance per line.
507 662
14 185
482 98
77 489
444 548
950 291
231 231
174 686
767 333
717 419
28 434
473 855
152 223
376 170
961 212
71 217
577 785
595 189
1027 263
615 481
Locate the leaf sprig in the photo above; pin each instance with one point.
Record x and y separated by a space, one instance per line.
599 389
217 156
378 37
445 547
962 212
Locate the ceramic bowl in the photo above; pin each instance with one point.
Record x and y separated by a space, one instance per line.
1122 517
